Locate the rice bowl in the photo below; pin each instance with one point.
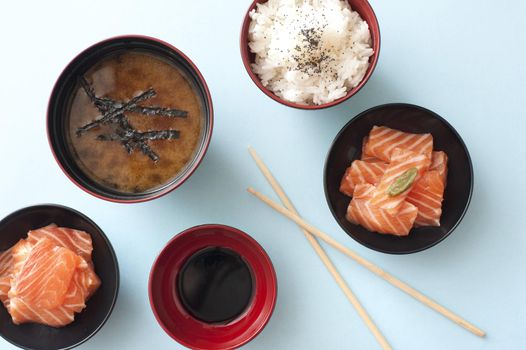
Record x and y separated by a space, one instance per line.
311 53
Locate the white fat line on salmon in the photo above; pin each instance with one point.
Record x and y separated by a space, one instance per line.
351 216
73 291
368 191
403 141
437 200
378 167
362 213
425 205
425 216
387 202
373 217
55 237
417 159
368 170
75 234
393 172
83 236
49 235
50 314
5 256
408 208
43 294
68 313
428 147
43 273
423 223
389 223
357 213
47 272
33 312
402 224
376 134
360 174
425 137
33 268
375 147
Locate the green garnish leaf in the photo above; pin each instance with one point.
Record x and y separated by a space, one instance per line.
402 182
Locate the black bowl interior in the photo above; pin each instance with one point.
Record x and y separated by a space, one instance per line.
347 147
99 306
60 100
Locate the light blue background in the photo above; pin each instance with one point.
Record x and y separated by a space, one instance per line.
463 59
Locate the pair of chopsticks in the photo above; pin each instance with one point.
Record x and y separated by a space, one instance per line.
310 231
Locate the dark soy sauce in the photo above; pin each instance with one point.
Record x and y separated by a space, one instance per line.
215 285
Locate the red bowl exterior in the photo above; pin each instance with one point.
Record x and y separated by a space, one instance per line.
171 314
366 12
200 156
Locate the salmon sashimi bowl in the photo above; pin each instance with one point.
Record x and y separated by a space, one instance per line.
47 277
398 178
397 184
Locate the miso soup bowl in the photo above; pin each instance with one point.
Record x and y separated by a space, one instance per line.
168 307
59 101
33 336
366 13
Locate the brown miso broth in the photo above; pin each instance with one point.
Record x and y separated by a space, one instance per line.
123 166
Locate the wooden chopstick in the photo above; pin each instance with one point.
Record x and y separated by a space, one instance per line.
370 266
321 253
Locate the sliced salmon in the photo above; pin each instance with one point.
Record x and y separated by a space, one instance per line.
439 163
48 277
428 192
23 312
6 262
6 267
363 191
398 183
82 285
365 157
20 252
383 141
361 172
376 219
75 240
45 276
401 161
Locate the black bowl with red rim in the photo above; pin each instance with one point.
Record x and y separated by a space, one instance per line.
170 310
61 100
33 336
347 147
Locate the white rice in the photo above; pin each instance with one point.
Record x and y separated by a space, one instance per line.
309 51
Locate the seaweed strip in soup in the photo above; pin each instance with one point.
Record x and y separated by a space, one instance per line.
135 122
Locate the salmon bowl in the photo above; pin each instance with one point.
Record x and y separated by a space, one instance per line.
212 287
41 327
389 203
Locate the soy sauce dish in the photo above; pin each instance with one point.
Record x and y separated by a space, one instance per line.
350 145
130 119
98 307
212 287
